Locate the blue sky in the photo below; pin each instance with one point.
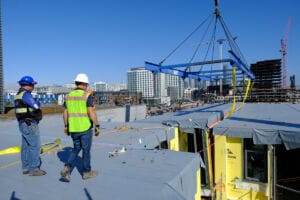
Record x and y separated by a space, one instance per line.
53 40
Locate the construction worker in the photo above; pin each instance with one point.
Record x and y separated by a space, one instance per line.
79 117
28 114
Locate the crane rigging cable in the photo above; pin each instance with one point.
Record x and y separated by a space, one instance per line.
208 49
194 70
233 45
201 41
183 41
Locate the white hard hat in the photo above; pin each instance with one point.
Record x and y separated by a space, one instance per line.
83 78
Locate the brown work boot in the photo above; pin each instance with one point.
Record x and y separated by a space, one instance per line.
38 172
65 174
90 174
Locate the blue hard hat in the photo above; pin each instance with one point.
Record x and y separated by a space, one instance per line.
27 80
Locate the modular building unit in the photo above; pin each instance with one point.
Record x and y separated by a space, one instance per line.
152 133
242 160
253 149
193 133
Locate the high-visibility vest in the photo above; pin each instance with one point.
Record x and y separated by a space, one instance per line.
76 104
23 111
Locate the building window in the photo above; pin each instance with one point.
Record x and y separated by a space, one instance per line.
255 161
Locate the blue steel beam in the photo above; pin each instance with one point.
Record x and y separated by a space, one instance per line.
157 68
171 69
238 63
213 71
197 63
184 74
174 72
199 77
217 72
152 67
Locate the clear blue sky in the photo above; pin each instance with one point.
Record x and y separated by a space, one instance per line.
53 40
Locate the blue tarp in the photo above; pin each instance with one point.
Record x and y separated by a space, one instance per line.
200 117
141 172
265 124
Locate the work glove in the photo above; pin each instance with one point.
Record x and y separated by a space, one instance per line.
97 130
66 130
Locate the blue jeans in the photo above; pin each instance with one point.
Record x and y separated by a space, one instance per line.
82 141
31 146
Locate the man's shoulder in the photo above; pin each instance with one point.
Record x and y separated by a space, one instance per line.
27 93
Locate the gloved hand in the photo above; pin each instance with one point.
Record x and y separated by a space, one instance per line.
97 130
66 130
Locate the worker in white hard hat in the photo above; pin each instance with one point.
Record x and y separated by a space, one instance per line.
79 117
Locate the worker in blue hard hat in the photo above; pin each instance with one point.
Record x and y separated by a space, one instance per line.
28 114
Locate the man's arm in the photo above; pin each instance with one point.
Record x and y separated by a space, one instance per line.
93 115
65 117
91 110
29 100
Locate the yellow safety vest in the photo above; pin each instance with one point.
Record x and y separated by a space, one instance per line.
78 118
23 111
22 108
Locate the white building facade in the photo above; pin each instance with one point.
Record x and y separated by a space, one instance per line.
140 80
154 85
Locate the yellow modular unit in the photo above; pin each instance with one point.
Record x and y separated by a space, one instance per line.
229 172
180 141
220 167
198 187
174 142
209 159
183 141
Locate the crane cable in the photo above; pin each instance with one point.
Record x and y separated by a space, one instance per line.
181 43
201 42
233 45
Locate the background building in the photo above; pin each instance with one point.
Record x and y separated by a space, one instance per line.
156 88
140 80
100 87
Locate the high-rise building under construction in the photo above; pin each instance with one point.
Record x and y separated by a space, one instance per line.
268 82
267 74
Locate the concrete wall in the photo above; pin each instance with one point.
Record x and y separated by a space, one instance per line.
118 114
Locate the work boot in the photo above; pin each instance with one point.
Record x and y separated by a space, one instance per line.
38 172
65 174
90 174
25 171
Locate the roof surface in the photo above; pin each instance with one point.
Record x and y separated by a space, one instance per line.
141 172
265 123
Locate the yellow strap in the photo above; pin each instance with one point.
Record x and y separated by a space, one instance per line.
17 149
45 148
234 91
247 92
10 150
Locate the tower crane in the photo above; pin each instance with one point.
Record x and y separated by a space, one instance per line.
283 52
